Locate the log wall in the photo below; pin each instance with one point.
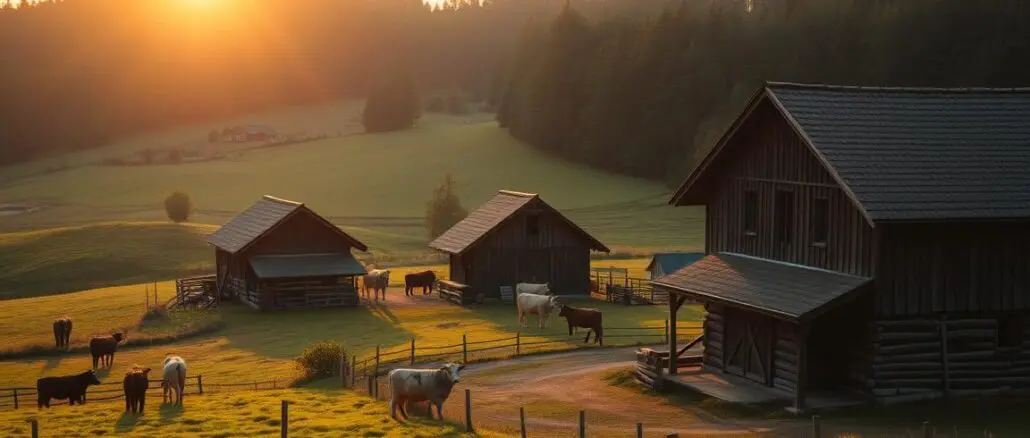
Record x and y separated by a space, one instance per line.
785 358
921 359
715 338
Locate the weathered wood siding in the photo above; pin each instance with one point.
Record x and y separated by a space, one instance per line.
302 233
953 268
770 156
510 254
715 337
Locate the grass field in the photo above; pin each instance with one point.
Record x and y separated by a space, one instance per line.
313 413
101 225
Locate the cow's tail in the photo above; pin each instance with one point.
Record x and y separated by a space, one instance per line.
180 377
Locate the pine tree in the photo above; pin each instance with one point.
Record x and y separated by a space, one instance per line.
444 210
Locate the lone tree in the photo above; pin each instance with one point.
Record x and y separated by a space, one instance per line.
393 104
444 209
178 206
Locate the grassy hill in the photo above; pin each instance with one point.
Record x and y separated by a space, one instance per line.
73 221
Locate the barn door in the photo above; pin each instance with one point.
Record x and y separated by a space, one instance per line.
535 266
749 345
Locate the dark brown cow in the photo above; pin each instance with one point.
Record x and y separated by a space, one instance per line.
62 331
136 383
103 348
586 318
424 279
72 388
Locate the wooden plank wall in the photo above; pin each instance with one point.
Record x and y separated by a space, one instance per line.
302 233
958 269
715 335
769 157
785 357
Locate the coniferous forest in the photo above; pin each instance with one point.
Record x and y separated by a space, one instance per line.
640 87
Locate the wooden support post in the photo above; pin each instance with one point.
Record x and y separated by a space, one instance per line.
802 372
34 426
16 399
518 343
946 384
200 384
284 426
354 369
665 338
522 421
468 411
815 426
376 369
674 304
582 424
464 349
412 351
640 430
927 430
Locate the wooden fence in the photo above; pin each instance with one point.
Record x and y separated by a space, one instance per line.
625 289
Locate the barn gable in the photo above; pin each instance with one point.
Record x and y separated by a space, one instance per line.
499 211
257 222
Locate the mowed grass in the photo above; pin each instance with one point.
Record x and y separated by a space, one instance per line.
313 412
269 342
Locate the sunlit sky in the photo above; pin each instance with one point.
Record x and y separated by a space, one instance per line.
428 2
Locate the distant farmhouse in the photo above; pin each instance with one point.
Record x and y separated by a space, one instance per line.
865 239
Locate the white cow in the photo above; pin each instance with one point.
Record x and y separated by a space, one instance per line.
533 288
173 378
415 385
541 305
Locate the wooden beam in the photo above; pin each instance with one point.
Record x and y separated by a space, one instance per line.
674 305
802 375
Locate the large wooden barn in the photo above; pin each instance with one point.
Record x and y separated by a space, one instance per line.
872 239
279 254
517 237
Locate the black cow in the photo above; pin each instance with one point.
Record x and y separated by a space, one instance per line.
424 279
62 331
72 388
135 384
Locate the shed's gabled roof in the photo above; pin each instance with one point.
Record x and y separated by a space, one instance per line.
911 154
782 290
492 214
256 221
671 261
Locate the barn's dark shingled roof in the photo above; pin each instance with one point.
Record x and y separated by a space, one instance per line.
257 220
918 153
783 290
489 216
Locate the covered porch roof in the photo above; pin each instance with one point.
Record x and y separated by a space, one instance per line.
306 265
782 290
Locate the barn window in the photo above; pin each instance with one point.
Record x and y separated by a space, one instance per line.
820 221
750 213
533 225
1010 331
784 219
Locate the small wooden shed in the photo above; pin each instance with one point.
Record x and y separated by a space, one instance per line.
517 237
280 254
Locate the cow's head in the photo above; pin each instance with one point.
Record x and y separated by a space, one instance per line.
118 337
89 377
562 312
552 302
546 289
453 371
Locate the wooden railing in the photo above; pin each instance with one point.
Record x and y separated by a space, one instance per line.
627 290
313 295
199 292
457 293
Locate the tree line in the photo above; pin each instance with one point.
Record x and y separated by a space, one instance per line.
649 95
81 73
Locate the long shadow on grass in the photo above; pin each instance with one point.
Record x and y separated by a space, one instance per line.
284 334
126 422
169 412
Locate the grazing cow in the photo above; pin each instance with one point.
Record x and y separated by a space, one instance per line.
377 280
72 388
173 378
424 279
533 288
541 305
62 331
136 384
415 385
103 348
586 318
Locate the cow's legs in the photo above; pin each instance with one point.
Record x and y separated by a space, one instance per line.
393 408
587 339
439 410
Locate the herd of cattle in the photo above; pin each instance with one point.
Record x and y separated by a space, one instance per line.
406 384
102 349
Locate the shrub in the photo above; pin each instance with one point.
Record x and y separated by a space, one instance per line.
155 315
179 206
321 359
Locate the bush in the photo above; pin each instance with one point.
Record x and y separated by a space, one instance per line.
178 206
155 315
321 359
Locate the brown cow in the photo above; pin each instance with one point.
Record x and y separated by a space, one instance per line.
62 331
424 279
136 384
586 318
102 348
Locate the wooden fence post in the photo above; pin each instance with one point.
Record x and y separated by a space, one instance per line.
354 369
16 399
369 381
640 430
665 334
582 424
464 348
412 351
927 430
522 421
34 426
200 383
518 343
815 426
284 426
377 359
468 411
